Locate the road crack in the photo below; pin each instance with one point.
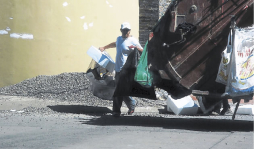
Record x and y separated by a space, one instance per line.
221 140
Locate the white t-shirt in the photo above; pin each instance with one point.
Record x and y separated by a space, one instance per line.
122 50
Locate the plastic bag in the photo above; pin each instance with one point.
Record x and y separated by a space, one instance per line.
241 77
126 85
142 75
222 76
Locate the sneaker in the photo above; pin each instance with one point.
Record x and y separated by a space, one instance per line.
226 111
131 111
214 113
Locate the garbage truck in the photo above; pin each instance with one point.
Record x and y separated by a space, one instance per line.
186 44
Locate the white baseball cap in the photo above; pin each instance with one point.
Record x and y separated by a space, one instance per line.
125 25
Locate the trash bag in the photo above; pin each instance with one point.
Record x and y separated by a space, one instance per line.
127 86
102 82
142 75
174 88
103 88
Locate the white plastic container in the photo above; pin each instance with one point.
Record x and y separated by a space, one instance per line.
183 106
245 110
102 58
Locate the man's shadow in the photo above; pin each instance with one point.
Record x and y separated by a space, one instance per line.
185 123
80 109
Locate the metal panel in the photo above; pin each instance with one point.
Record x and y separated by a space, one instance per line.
199 56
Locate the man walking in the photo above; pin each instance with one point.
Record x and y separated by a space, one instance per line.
124 45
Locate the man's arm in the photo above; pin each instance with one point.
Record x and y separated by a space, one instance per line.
140 49
137 45
111 45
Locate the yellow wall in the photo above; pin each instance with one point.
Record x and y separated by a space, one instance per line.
58 45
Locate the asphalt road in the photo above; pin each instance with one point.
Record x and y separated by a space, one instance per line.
75 126
139 132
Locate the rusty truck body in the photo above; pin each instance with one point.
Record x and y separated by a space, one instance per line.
187 42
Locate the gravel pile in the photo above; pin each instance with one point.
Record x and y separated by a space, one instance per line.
71 87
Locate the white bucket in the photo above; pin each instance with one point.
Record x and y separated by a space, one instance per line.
102 58
183 106
245 110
